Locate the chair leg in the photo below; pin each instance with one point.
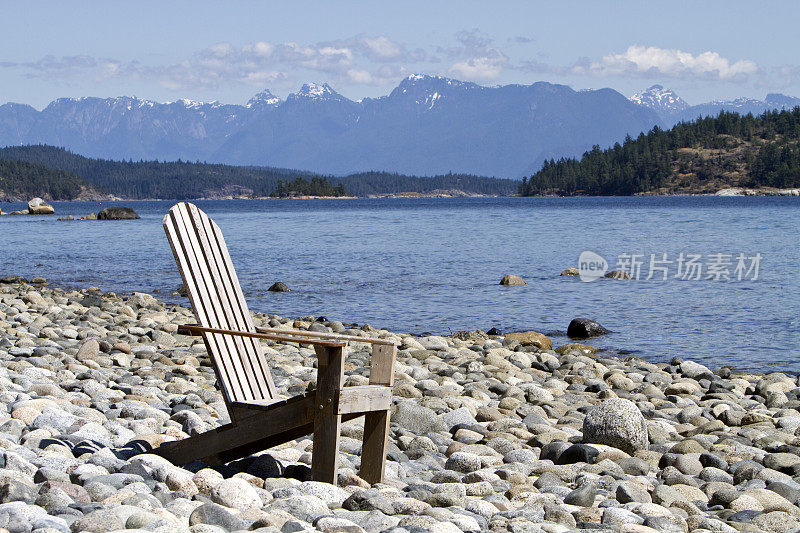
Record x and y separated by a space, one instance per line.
376 424
373 450
327 420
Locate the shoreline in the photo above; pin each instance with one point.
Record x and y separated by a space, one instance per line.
486 434
726 192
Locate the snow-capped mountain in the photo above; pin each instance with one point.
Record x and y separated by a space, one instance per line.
262 100
315 92
660 100
672 109
426 125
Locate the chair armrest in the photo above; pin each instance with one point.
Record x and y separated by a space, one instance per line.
329 336
194 329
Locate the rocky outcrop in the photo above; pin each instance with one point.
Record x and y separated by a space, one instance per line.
37 206
117 213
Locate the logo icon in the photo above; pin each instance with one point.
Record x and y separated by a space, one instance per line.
591 266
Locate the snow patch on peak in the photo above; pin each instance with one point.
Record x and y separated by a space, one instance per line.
189 104
318 93
427 90
263 99
315 90
662 100
428 78
737 102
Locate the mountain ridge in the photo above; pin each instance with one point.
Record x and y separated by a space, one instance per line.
426 125
671 108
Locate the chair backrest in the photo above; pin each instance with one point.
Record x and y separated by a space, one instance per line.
218 302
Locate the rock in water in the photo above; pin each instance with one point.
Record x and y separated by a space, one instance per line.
37 206
117 213
618 274
581 328
616 422
181 291
279 286
531 338
511 279
570 272
90 216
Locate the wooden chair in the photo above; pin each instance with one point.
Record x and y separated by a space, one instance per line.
259 418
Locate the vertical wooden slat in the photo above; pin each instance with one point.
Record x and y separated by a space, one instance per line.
228 317
376 423
255 356
327 420
214 315
197 296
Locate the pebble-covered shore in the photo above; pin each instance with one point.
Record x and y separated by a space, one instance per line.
487 434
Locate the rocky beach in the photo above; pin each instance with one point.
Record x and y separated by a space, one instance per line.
488 433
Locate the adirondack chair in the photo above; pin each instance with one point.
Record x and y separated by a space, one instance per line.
261 419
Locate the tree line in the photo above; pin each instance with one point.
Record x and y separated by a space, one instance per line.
22 181
745 150
185 180
316 186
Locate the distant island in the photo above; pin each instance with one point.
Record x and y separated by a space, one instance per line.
708 155
57 174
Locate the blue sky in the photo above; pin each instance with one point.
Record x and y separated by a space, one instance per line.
228 51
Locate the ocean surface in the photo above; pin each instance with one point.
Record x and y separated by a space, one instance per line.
433 265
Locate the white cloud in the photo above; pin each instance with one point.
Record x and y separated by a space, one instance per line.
382 48
651 61
477 69
362 59
479 60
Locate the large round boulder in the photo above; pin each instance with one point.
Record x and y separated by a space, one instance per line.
37 206
117 213
616 422
582 328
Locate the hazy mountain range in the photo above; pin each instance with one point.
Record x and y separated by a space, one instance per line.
426 125
672 109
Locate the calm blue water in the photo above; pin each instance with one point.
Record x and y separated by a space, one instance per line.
434 264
